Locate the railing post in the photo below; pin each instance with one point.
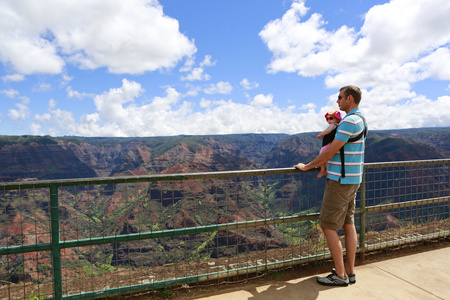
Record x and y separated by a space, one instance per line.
56 251
362 204
265 224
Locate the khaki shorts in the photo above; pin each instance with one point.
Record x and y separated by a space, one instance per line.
338 205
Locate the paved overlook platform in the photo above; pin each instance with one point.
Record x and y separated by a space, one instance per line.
420 275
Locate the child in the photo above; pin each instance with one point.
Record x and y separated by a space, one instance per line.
333 118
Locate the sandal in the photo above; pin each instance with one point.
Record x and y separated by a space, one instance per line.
333 280
351 277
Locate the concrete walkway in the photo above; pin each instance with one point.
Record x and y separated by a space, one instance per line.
420 276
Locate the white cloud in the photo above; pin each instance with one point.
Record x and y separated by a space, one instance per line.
432 65
118 114
75 94
188 65
308 106
42 87
59 122
10 93
197 74
124 36
65 79
110 104
193 91
22 112
400 41
52 103
415 113
219 88
204 103
207 62
36 129
165 103
248 85
121 112
403 30
43 118
262 100
291 40
13 78
229 117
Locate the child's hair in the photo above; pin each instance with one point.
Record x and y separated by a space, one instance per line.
335 113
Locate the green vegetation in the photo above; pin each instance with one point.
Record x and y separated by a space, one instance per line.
166 293
27 140
160 145
39 296
99 263
98 269
195 255
275 275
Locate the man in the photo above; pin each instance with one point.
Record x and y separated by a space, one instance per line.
338 205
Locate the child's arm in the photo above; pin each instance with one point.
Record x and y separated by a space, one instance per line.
326 131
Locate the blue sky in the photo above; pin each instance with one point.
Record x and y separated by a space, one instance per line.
171 67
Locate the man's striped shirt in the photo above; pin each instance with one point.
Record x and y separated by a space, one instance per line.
351 126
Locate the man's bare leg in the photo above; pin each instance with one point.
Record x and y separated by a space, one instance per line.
335 246
351 242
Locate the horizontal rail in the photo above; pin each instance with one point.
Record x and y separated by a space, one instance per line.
406 163
145 178
389 206
382 207
408 240
191 176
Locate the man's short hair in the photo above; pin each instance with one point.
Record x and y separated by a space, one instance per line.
354 91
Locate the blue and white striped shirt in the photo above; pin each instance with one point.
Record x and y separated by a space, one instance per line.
350 126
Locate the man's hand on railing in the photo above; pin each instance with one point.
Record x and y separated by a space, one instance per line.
300 167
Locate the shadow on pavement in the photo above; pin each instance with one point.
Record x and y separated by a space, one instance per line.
303 288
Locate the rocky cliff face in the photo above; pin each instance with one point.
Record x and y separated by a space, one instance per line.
394 147
381 146
101 160
60 158
42 161
293 149
66 159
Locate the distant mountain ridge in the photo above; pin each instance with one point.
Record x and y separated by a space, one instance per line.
35 157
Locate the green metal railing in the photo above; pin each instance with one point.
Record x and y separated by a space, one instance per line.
376 197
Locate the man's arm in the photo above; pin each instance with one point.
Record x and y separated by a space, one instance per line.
326 131
323 157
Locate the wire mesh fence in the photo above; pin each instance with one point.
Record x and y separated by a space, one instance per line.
406 202
100 237
24 221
